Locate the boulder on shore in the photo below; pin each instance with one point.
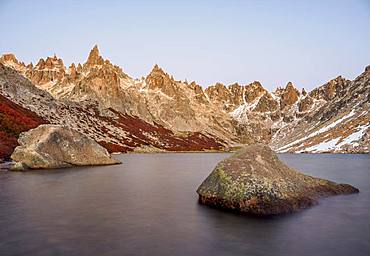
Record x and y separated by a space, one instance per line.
55 146
254 181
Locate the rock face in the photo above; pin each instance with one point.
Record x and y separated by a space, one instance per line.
54 146
331 118
255 181
290 96
114 130
47 72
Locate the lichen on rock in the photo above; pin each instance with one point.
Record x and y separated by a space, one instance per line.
55 146
255 181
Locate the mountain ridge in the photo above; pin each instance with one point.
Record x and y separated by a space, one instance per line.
235 114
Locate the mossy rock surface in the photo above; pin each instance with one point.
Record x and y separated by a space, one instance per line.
255 181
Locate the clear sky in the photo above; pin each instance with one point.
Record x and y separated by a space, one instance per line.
306 42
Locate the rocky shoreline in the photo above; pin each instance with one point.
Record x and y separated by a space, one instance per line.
9 162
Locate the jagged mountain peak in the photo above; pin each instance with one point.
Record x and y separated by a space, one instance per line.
47 70
289 95
10 60
234 85
158 78
253 91
331 89
99 66
338 80
29 66
9 57
220 86
79 67
50 63
156 67
157 71
367 69
290 86
234 113
95 48
72 71
218 92
255 84
94 57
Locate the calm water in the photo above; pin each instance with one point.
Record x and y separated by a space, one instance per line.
148 206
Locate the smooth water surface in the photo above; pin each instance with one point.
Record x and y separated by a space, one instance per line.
148 206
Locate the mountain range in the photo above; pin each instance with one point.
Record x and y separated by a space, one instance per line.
159 113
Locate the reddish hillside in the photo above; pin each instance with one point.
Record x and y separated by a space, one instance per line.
141 133
14 119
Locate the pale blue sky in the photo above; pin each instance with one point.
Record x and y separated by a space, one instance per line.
306 42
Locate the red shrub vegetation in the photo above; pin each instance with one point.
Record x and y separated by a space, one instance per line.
14 119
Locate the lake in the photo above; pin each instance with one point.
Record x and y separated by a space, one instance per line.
148 206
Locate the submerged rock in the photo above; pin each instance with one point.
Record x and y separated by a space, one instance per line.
255 181
55 146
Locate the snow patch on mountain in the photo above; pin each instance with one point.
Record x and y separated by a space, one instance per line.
321 130
354 137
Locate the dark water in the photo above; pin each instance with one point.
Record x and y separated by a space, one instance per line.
148 206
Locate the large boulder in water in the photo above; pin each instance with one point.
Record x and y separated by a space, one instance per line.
55 146
255 181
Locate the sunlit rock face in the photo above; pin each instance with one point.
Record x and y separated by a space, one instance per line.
115 130
94 58
287 119
289 96
333 118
